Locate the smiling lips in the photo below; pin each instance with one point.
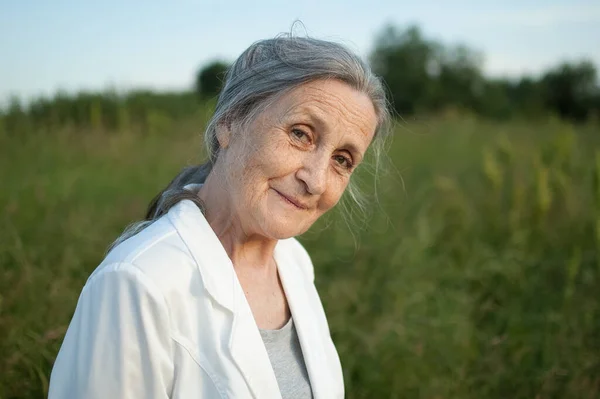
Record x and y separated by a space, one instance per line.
292 201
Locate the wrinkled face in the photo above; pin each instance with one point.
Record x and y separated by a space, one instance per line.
294 161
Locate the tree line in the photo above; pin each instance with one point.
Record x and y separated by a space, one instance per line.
426 76
423 77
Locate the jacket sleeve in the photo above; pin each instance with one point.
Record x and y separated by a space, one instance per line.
118 343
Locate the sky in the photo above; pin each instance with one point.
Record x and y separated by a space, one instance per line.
47 46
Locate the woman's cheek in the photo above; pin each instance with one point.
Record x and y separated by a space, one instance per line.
336 187
282 161
250 180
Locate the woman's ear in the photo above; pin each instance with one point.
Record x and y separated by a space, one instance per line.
223 135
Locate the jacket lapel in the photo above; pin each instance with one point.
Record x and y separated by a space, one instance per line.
249 352
221 283
297 286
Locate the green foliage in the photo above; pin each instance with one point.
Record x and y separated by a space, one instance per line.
480 279
403 59
424 75
477 277
210 79
97 111
571 90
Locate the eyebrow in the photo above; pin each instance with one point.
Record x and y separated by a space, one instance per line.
316 120
320 124
358 157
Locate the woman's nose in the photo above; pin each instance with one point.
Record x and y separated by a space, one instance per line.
314 173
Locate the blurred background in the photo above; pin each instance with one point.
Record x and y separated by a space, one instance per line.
477 271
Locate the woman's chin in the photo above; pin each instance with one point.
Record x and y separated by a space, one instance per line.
281 228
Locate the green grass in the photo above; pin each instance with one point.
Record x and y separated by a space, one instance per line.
477 275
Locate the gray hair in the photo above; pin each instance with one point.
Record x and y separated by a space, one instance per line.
263 72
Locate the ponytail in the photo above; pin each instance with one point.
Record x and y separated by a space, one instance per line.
167 198
175 191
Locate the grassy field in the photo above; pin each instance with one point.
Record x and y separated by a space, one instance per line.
476 276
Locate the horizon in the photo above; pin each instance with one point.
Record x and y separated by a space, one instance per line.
95 47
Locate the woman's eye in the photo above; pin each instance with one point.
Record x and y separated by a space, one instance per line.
343 161
301 135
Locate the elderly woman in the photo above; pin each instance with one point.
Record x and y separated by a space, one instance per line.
212 296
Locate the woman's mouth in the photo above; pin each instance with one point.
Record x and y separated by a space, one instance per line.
297 204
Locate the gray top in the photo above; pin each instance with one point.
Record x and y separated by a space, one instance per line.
287 361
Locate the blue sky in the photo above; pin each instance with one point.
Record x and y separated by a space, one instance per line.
46 46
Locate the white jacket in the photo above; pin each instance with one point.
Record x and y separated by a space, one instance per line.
164 316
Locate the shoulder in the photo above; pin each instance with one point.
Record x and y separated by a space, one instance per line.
296 251
157 253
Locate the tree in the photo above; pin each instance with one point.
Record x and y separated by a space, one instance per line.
570 89
460 81
424 75
406 62
210 79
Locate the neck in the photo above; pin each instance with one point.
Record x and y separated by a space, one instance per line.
245 248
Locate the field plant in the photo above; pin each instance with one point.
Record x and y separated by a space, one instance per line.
476 275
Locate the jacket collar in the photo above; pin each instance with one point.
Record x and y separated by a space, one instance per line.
211 258
221 283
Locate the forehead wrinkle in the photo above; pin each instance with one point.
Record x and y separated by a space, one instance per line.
345 112
328 117
327 111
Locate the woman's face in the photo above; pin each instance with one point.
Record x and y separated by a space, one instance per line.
294 161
